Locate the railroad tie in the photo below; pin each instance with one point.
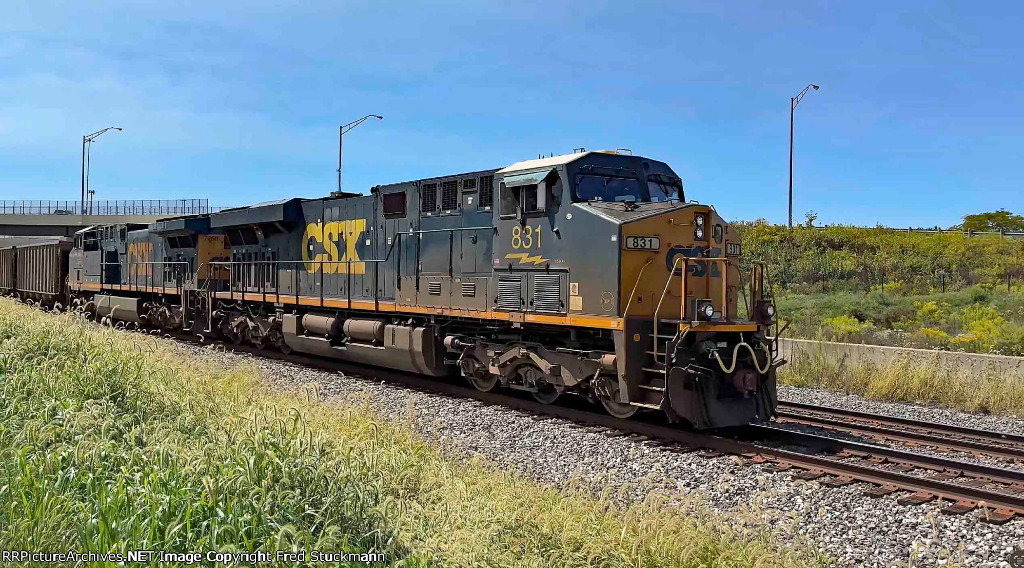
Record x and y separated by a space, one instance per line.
838 481
996 516
916 499
880 491
959 508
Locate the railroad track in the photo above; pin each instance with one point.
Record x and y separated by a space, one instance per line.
908 432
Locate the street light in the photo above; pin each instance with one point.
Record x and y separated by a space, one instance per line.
341 134
792 107
87 141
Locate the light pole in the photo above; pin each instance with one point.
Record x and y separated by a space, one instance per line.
87 141
341 134
792 107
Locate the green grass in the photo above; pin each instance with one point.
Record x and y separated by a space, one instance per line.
906 381
112 442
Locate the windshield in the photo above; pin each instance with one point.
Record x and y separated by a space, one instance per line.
664 189
591 187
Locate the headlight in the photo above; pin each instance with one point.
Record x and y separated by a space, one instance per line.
709 310
699 232
699 219
770 310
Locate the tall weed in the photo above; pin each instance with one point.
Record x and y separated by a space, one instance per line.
112 442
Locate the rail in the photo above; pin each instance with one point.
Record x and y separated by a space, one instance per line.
110 207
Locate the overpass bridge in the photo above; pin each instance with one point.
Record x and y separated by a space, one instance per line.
28 218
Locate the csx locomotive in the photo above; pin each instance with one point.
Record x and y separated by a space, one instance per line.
585 273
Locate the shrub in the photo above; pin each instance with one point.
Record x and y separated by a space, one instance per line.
931 337
846 328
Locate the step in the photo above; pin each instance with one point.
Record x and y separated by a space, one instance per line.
659 371
645 405
652 388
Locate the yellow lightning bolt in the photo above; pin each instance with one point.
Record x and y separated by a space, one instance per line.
524 258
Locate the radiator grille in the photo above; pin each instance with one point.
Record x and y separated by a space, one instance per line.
449 196
428 198
469 289
510 289
486 191
434 288
468 184
547 293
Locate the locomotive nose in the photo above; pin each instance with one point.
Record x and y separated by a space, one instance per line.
659 249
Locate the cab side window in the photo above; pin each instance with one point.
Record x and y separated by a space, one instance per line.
509 201
530 199
534 198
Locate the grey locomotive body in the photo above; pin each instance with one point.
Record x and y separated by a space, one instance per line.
586 273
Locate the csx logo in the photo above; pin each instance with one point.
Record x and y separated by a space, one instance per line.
697 267
322 240
140 252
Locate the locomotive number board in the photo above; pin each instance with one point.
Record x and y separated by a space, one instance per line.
641 243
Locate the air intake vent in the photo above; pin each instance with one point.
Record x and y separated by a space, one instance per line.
449 196
428 198
510 291
468 289
434 288
547 293
486 191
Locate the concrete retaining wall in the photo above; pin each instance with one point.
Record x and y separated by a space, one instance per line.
854 354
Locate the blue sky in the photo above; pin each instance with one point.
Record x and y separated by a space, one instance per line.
918 120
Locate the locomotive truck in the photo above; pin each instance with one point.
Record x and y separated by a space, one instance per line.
585 274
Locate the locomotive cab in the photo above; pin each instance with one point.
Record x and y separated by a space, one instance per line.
615 232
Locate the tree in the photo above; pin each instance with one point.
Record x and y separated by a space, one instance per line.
1001 220
811 218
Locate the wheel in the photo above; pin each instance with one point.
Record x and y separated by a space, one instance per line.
546 392
618 409
608 393
477 375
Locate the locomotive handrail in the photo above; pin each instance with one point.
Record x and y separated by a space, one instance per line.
635 284
376 262
449 229
133 283
319 263
149 273
682 300
668 282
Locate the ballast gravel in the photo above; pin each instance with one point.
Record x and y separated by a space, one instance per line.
842 523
